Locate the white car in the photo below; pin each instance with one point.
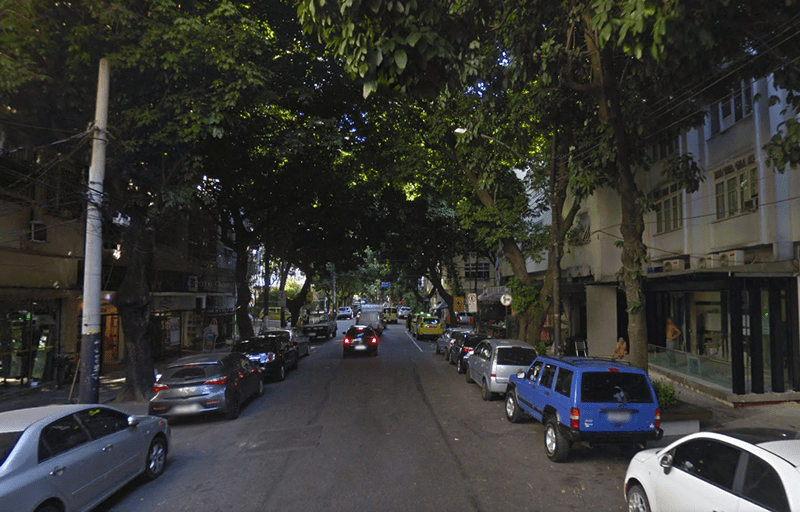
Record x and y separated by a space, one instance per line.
746 469
69 458
344 313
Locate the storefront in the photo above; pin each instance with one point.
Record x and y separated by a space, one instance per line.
737 332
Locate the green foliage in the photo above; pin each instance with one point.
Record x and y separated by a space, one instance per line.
525 298
666 395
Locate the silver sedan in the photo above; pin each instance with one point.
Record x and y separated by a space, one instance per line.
69 458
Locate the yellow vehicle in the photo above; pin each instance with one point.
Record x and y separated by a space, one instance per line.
275 313
390 315
428 326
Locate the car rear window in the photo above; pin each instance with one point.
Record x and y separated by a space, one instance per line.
255 346
519 356
7 442
431 321
193 371
606 387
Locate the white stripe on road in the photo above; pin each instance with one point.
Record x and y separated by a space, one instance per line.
414 341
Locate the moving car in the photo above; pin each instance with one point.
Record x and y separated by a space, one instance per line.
320 325
580 399
373 318
403 312
427 326
344 313
390 314
752 469
69 458
492 362
272 351
360 338
216 382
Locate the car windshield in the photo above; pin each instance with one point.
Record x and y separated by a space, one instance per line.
619 387
7 442
519 356
254 346
317 319
192 371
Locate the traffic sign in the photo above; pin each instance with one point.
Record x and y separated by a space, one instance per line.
472 303
458 304
505 299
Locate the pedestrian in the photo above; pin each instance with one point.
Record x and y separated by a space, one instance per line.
621 350
672 339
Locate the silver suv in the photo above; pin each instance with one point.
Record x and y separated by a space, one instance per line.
494 361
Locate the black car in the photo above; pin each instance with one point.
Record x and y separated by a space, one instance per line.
462 346
360 338
272 351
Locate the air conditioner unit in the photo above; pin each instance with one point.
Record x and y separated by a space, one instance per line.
38 232
671 265
731 258
708 261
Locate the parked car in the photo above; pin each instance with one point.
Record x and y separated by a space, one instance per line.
299 341
344 313
320 325
56 458
427 326
360 338
492 362
581 399
463 345
445 341
272 351
215 382
737 469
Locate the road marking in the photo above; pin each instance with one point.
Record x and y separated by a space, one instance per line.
414 341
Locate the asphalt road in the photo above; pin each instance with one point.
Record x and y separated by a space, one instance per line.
401 431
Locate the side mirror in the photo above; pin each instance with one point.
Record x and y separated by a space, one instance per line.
133 420
521 375
666 462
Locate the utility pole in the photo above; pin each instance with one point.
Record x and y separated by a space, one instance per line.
89 392
555 253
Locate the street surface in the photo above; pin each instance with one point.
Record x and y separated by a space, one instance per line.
400 431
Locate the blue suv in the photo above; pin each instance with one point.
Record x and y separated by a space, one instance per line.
580 399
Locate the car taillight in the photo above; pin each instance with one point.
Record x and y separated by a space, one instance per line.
346 340
574 418
658 417
217 381
159 386
613 369
373 340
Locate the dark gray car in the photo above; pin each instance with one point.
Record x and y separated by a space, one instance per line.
445 341
215 382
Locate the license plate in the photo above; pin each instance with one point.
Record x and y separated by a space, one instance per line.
619 416
361 347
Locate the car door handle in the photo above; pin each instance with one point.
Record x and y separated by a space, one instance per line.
108 447
58 470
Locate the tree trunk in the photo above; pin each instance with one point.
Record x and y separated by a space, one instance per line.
133 302
243 295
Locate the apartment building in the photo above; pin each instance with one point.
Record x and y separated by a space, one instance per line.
723 261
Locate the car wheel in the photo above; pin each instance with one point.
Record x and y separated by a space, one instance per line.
156 459
375 353
296 362
260 391
437 349
461 367
468 378
485 393
281 373
556 445
234 407
637 500
513 412
447 356
344 354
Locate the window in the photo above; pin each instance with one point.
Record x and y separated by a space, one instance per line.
731 110
711 461
763 486
663 149
547 375
615 387
477 271
60 436
736 187
668 207
102 422
533 374
564 382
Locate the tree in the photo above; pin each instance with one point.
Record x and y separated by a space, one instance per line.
628 62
